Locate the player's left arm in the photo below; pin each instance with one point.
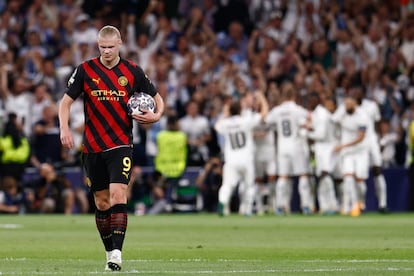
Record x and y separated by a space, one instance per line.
263 104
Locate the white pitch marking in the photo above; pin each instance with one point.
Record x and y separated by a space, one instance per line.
10 226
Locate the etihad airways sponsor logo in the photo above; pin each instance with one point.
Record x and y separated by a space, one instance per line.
108 95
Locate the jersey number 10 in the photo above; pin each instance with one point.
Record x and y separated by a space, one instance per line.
237 140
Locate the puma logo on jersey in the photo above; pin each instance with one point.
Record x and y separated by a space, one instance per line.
96 80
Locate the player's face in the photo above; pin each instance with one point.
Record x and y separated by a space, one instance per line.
350 104
330 105
109 47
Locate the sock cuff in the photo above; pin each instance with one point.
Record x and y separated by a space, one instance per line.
119 208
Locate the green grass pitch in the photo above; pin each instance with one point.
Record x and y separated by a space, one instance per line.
204 244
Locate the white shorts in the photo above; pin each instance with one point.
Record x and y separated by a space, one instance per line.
293 163
265 168
375 154
327 161
235 173
356 163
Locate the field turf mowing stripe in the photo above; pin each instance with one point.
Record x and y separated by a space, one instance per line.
205 244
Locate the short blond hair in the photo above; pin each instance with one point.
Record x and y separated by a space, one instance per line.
109 30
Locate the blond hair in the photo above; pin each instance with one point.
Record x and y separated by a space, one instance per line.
108 31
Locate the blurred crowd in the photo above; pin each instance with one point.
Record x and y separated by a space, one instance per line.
199 54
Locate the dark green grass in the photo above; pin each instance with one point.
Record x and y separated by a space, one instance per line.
201 244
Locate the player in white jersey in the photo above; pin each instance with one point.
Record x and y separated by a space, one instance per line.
354 153
292 157
265 165
372 110
324 134
238 152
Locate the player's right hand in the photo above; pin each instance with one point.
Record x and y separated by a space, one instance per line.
66 138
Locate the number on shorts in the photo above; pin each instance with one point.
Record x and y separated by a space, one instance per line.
237 140
127 166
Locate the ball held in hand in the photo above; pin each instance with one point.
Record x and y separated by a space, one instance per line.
140 101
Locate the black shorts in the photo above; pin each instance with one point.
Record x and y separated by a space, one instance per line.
112 166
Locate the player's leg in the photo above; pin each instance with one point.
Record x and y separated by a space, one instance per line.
326 194
349 199
250 188
381 189
259 185
119 164
302 169
98 180
282 193
379 179
230 179
326 189
271 177
361 174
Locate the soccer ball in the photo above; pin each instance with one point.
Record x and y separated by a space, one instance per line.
140 101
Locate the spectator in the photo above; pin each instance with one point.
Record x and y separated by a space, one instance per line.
235 39
387 139
41 99
50 78
208 182
171 159
53 192
14 149
84 38
196 127
12 199
146 192
17 97
45 144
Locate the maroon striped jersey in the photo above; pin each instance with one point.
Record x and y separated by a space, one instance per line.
105 95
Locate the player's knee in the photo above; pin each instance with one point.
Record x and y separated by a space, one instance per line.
102 200
377 170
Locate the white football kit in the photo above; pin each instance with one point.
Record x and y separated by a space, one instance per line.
354 158
325 135
265 150
265 166
292 155
371 109
238 157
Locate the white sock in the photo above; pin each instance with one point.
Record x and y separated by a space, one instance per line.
305 192
326 194
282 193
362 192
381 190
350 197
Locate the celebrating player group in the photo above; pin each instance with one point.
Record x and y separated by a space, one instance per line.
328 147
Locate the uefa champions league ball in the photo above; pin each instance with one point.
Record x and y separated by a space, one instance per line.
140 101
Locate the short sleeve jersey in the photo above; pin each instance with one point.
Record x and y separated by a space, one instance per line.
288 117
106 93
238 133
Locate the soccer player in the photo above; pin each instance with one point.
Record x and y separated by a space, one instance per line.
371 109
239 152
292 156
106 83
265 156
354 153
324 134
